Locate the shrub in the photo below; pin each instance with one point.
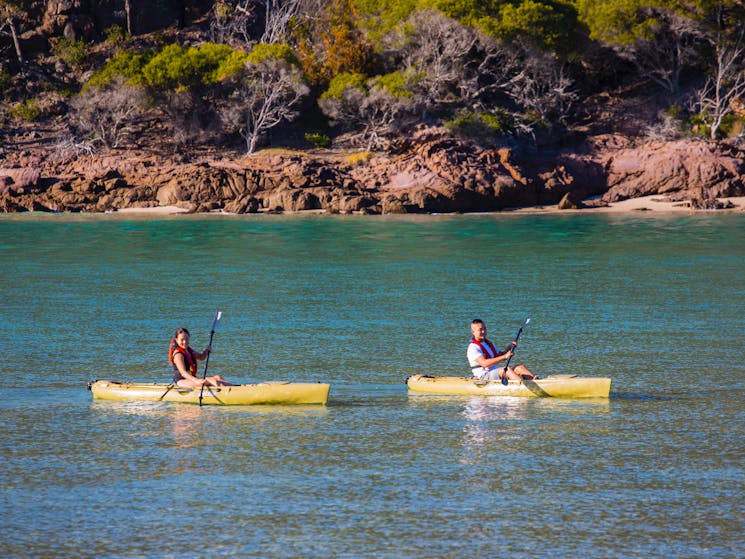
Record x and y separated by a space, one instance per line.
474 124
6 80
115 35
177 68
72 52
341 82
318 140
28 110
125 64
380 106
231 65
277 51
397 84
699 125
732 126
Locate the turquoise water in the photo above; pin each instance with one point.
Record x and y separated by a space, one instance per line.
362 302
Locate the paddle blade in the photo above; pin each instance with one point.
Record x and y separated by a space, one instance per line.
218 316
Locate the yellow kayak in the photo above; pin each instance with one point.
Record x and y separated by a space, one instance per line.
270 393
560 386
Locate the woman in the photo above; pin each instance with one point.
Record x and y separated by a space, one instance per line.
184 362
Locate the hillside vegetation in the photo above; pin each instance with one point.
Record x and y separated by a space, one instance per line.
239 75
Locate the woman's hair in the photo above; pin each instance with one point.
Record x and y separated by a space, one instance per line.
173 345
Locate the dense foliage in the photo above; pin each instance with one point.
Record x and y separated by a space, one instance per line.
372 68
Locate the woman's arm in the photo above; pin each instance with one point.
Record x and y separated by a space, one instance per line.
180 363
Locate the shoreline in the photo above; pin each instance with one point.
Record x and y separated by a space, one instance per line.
653 204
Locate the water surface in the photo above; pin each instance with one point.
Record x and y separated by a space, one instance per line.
654 302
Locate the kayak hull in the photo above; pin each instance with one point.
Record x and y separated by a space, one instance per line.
566 386
263 393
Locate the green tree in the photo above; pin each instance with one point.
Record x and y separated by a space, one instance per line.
548 25
333 42
124 64
376 18
176 68
660 37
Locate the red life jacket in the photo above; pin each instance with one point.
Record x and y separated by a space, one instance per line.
190 357
484 345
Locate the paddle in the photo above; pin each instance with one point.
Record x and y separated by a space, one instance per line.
218 316
505 380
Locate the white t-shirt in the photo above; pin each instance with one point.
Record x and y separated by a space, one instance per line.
473 353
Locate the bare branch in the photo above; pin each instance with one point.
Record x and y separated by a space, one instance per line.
718 98
265 95
456 62
374 110
106 114
279 15
542 87
670 46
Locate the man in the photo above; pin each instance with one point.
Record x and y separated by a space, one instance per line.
483 357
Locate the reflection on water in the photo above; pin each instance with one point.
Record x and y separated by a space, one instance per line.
187 426
490 421
498 422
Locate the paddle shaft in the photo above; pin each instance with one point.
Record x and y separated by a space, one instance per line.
207 361
168 389
505 380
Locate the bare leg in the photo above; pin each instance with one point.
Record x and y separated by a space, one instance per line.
511 374
186 383
521 371
217 380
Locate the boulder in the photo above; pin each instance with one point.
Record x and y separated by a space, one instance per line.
674 167
20 179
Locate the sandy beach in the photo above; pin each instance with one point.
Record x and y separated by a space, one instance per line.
654 203
657 203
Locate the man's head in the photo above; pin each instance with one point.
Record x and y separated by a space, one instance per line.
478 329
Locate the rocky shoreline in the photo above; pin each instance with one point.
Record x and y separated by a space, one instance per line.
431 171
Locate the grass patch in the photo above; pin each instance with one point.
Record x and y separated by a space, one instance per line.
358 158
28 110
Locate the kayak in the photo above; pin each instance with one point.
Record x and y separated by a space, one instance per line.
270 393
559 386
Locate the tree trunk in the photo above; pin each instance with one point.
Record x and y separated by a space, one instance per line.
16 42
251 140
128 10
